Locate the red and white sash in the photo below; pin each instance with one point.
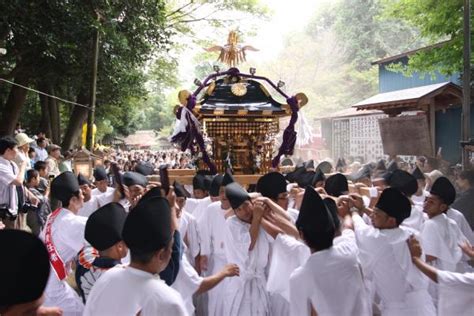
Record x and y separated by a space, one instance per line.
56 261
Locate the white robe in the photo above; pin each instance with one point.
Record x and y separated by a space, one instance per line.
463 225
89 207
246 294
386 260
456 293
213 233
190 235
67 233
127 291
96 192
440 238
416 219
331 282
293 213
187 283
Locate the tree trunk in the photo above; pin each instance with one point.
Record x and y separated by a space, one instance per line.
55 118
12 108
78 117
45 122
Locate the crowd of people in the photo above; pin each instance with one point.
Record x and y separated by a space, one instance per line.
381 238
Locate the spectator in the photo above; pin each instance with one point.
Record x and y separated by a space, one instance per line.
32 156
36 216
465 201
53 160
41 152
42 168
23 147
11 176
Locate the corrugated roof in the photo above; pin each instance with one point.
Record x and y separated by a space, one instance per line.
350 112
403 96
408 53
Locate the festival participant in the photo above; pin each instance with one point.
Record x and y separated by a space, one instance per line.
455 295
104 232
90 201
63 235
315 285
137 289
248 245
385 256
26 272
419 197
101 182
336 185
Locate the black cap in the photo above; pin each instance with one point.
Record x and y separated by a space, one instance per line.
228 178
403 181
392 166
179 190
325 167
134 178
336 185
216 185
100 173
104 226
148 226
362 173
207 182
152 193
198 182
443 189
64 186
305 179
317 177
332 207
314 217
309 164
381 165
295 174
25 266
236 194
82 180
271 184
395 204
418 174
145 168
340 164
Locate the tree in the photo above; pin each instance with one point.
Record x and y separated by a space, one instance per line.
437 21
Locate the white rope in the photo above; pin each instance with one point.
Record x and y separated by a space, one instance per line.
48 95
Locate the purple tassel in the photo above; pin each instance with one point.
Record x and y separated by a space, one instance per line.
289 135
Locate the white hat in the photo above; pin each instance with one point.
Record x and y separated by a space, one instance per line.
23 139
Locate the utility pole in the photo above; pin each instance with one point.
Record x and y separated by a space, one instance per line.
95 61
466 89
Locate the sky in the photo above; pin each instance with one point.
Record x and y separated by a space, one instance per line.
287 16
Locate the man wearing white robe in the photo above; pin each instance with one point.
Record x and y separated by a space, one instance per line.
330 271
456 289
247 245
137 288
63 235
385 257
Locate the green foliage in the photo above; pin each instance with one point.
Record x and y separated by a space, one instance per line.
437 21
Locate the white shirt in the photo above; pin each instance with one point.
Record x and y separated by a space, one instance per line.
293 213
440 238
386 260
325 275
8 193
127 291
416 218
89 207
463 225
456 293
96 191
41 154
67 233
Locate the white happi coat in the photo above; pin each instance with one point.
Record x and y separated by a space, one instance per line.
246 294
456 293
213 231
127 291
325 276
89 207
67 233
386 260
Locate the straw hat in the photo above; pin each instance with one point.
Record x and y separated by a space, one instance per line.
23 139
